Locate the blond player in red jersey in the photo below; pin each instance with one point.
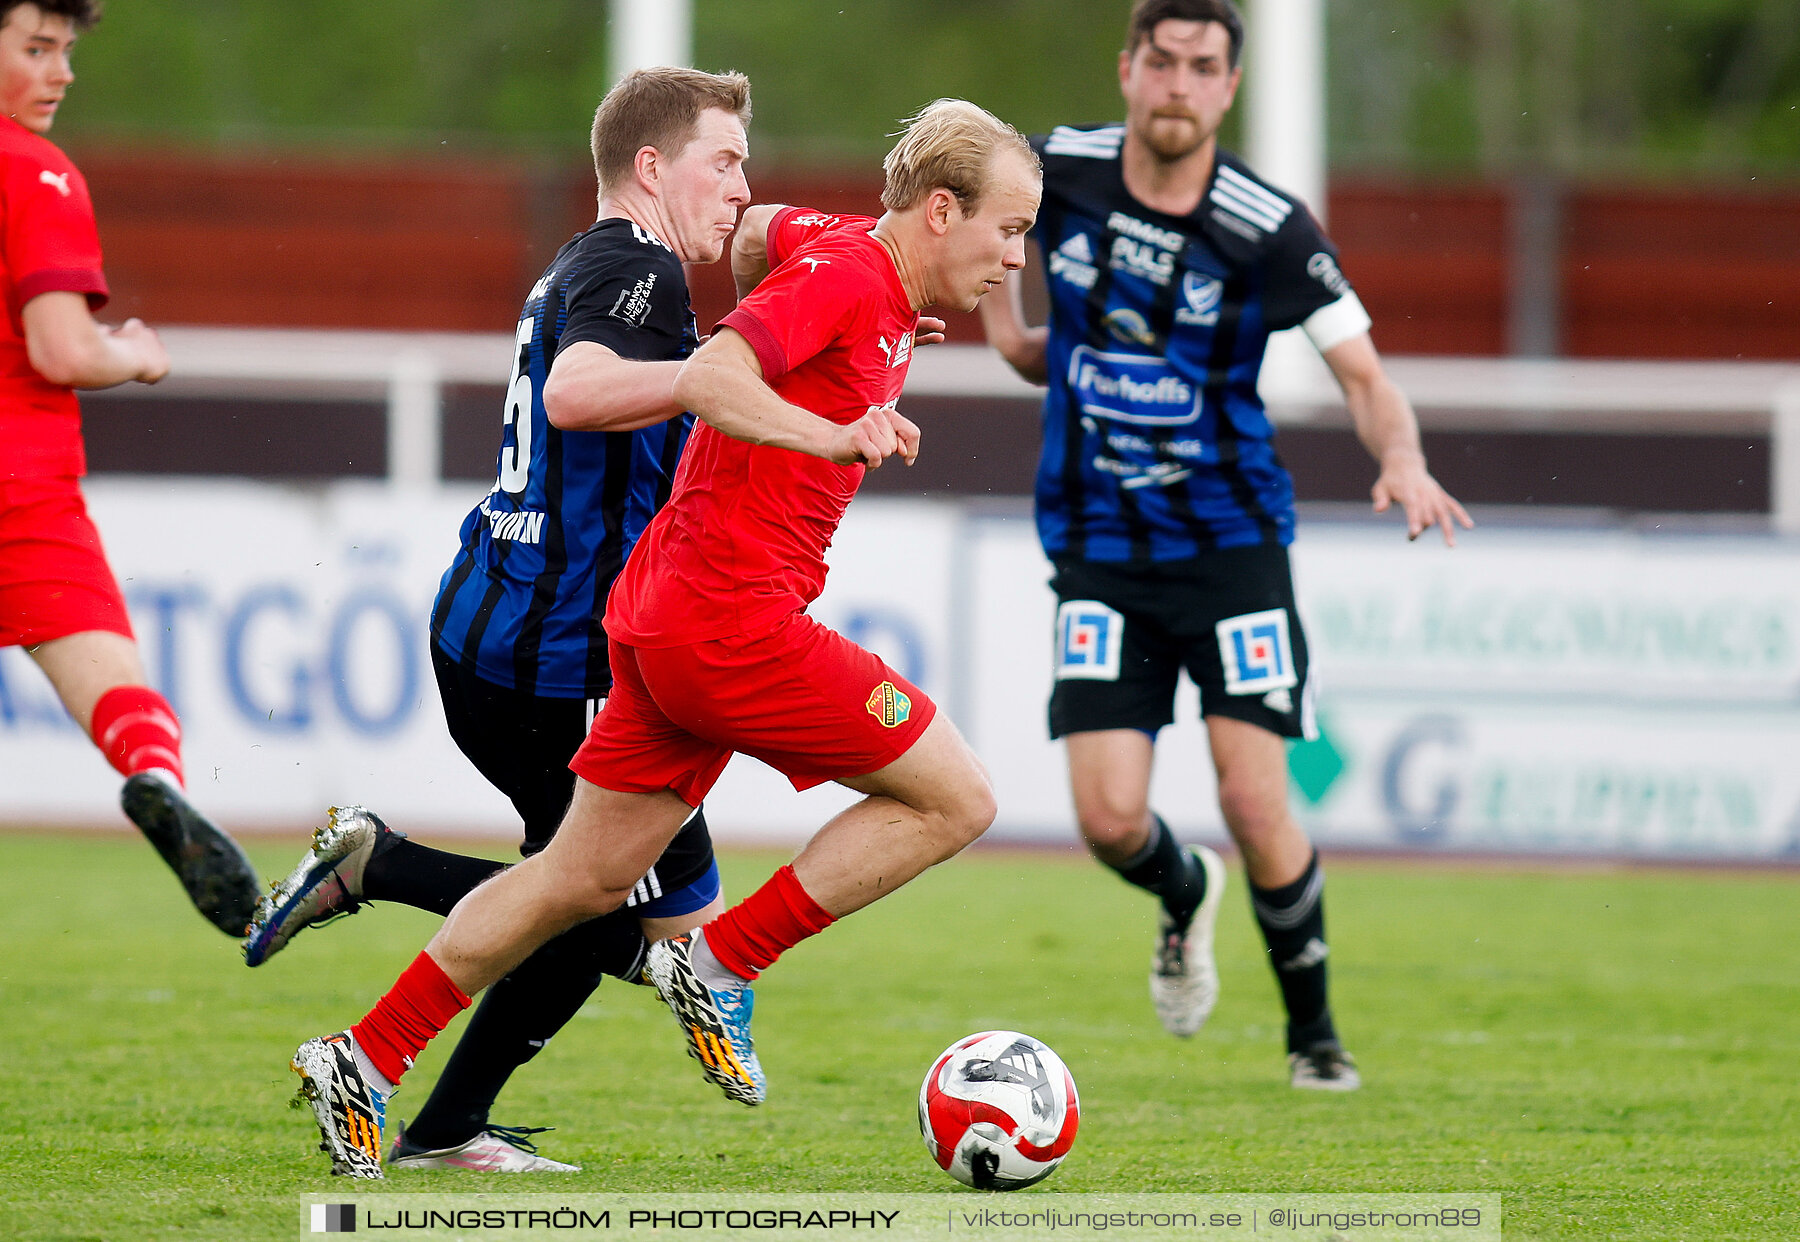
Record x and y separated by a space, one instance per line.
712 650
58 598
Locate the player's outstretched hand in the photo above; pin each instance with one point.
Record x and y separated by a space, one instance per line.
1405 481
930 330
875 437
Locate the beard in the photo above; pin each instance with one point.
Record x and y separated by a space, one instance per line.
1173 138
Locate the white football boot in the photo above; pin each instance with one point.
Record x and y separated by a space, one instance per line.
1184 977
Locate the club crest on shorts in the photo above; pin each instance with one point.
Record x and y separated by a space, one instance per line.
889 704
1089 638
1255 652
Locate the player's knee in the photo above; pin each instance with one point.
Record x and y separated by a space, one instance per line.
979 808
1112 822
1104 828
1251 812
588 896
966 812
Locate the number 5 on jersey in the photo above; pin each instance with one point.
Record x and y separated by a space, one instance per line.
515 460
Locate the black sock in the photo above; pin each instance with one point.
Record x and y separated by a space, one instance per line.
1292 919
1170 871
417 875
516 1018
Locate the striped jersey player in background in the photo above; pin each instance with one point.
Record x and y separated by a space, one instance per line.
59 599
1165 509
589 446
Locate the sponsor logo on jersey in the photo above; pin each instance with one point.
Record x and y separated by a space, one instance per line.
59 180
1255 652
1324 269
1089 638
521 526
1130 226
633 305
889 704
896 351
1131 388
1133 476
1128 326
1142 259
1073 261
811 219
1200 298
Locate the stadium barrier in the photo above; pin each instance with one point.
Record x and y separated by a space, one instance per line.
410 371
1611 691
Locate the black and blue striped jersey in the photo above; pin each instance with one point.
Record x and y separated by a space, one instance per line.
523 601
1156 444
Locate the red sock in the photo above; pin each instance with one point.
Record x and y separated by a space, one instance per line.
418 1006
136 729
749 937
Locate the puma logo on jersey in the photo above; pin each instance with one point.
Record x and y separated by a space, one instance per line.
59 180
896 352
817 263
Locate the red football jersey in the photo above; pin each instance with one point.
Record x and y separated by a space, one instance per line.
742 540
48 243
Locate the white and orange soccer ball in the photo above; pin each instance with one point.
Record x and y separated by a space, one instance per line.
998 1110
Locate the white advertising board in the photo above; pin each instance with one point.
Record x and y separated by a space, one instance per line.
1599 692
1593 692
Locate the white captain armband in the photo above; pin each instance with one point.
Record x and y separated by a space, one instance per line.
1337 322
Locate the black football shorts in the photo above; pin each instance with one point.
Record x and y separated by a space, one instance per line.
1125 632
522 744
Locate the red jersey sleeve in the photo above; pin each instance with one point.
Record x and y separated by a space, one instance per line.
49 242
803 306
793 227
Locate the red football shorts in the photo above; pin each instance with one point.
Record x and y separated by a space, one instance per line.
54 579
800 697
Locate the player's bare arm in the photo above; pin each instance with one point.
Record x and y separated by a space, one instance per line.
1003 320
723 385
750 246
1388 428
67 345
591 388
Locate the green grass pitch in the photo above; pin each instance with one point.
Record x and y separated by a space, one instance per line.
1613 1051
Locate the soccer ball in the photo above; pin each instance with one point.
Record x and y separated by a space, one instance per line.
998 1111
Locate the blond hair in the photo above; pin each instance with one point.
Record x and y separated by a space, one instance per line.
948 144
659 108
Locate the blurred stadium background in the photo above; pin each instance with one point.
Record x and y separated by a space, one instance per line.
1576 225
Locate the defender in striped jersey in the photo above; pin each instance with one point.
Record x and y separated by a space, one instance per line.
590 438
1167 512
